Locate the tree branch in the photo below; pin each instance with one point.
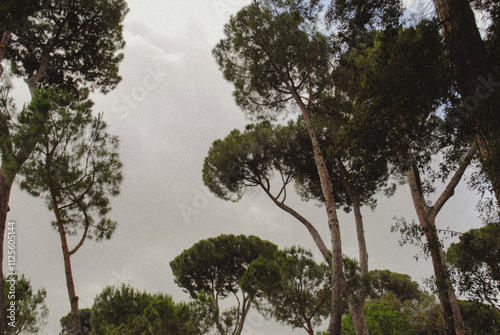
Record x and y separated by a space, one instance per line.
450 188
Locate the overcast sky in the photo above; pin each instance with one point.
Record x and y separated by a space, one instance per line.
171 105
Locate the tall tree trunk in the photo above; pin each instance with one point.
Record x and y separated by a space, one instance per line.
473 73
426 216
5 188
335 325
218 324
73 298
357 300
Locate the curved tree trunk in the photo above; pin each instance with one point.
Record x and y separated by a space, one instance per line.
310 227
448 302
244 311
73 298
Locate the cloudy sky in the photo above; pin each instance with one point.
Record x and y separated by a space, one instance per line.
171 105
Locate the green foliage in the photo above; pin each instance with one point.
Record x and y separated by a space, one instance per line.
353 278
357 164
77 41
164 317
291 287
353 18
422 310
216 265
13 13
405 297
480 319
272 53
75 165
19 130
475 262
117 311
389 80
126 311
380 319
247 159
401 285
24 310
67 325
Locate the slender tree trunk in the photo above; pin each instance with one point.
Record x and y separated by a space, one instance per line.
310 227
449 304
335 325
5 188
473 73
309 327
218 324
73 298
357 300
246 307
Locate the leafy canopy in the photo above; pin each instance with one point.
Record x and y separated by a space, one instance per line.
76 164
291 287
216 265
67 324
30 309
475 261
20 130
249 158
273 54
126 311
75 43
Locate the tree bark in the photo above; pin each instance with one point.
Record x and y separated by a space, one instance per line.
335 325
5 188
73 298
244 311
310 227
357 300
472 71
427 218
